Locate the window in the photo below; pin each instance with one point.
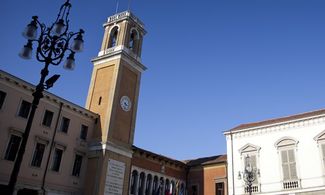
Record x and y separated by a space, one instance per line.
148 184
194 190
64 124
220 188
38 155
12 147
57 157
286 147
133 40
155 185
83 132
24 109
141 183
2 98
320 139
134 179
77 165
288 164
113 37
47 120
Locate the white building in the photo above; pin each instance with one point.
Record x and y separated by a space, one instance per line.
288 155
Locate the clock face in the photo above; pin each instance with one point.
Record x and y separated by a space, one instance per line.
125 103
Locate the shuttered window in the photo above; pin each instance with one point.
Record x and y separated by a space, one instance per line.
289 164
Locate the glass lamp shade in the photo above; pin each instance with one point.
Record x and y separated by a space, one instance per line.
58 28
69 64
239 176
77 45
30 31
26 51
249 168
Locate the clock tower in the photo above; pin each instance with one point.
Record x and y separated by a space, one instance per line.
113 94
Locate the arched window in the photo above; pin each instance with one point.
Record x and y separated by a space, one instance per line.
161 185
182 189
134 37
155 186
113 37
167 185
320 138
141 183
173 188
287 150
134 180
148 184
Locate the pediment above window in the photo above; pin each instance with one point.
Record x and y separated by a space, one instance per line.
320 136
286 142
248 148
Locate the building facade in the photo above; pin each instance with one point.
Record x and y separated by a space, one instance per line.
55 157
74 150
286 154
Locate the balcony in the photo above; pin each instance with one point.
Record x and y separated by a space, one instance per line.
291 184
255 189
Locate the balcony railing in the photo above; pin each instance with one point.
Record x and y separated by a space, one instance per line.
255 189
291 184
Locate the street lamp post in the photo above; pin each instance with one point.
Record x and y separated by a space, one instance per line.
52 44
250 174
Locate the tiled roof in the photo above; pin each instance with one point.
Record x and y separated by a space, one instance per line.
193 162
140 150
207 160
279 120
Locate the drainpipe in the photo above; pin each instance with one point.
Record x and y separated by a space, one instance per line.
51 148
232 162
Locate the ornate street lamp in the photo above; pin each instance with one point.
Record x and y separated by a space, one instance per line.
250 174
51 46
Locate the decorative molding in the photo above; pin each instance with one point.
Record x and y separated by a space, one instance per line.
109 146
249 148
305 122
119 52
286 141
320 136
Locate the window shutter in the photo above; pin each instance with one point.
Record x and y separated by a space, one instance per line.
293 171
285 167
284 156
253 161
291 155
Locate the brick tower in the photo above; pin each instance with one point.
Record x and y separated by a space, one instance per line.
113 94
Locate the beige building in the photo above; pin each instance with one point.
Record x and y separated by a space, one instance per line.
74 150
57 141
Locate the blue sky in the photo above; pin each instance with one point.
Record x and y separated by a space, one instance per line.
212 64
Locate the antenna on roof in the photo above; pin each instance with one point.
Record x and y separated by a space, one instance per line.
117 2
129 5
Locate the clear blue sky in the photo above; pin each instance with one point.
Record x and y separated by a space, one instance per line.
212 64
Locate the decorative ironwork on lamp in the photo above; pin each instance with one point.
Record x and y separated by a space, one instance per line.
249 175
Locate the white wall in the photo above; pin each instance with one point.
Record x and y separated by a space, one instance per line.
308 157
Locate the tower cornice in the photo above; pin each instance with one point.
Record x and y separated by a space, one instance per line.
126 15
119 52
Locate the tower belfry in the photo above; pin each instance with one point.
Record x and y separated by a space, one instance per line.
113 94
